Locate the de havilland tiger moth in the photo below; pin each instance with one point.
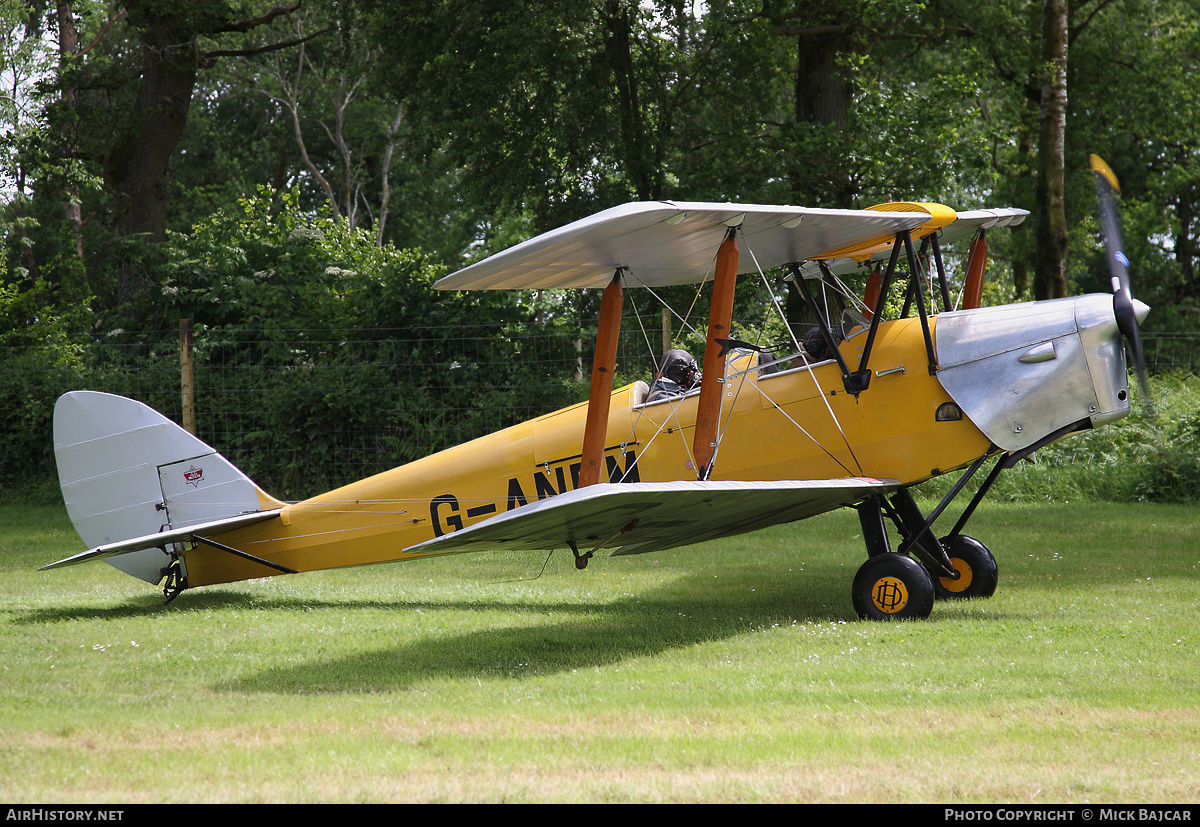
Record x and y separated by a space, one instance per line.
852 414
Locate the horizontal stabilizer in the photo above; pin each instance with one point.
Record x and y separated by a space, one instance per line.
652 516
163 538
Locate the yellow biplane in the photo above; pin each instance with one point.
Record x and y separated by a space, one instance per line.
852 414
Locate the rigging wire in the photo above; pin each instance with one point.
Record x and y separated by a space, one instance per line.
673 402
650 347
802 430
811 372
682 320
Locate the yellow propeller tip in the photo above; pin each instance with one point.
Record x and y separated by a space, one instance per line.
1097 164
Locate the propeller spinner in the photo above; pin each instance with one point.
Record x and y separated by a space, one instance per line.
1128 310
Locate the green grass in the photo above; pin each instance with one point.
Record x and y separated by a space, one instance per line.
733 671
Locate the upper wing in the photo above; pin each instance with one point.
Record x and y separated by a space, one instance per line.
963 226
675 242
651 516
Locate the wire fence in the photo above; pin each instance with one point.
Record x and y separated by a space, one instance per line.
304 411
1166 352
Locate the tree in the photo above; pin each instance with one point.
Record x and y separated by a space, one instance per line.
1050 273
554 108
327 84
831 42
1133 102
125 101
38 180
22 61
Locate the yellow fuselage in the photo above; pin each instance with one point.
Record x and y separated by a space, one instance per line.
797 423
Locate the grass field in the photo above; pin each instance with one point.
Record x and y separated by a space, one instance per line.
730 672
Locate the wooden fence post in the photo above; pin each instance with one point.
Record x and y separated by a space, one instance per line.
187 376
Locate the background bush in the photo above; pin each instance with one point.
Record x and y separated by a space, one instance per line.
1154 458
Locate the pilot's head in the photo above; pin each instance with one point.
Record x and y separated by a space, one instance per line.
680 368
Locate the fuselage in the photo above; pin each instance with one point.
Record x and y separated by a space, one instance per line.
793 420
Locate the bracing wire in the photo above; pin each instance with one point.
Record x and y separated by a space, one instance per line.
683 320
811 372
646 336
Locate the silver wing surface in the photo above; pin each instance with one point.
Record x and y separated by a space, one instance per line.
633 518
163 538
675 242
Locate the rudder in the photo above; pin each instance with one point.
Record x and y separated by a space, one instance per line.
127 471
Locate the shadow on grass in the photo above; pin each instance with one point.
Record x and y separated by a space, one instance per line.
1035 546
690 611
139 606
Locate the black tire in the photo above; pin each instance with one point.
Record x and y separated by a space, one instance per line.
892 587
976 566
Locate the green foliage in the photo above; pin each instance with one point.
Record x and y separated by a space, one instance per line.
28 388
42 362
517 119
1153 458
1163 451
320 357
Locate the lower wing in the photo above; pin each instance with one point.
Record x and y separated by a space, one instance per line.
633 518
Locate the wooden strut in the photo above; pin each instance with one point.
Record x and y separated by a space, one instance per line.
604 365
973 292
871 297
720 317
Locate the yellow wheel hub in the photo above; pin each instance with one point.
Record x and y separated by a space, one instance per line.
964 577
889 594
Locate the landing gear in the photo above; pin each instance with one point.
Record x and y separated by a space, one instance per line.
976 568
175 581
891 584
892 587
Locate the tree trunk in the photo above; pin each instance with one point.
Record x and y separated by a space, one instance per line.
823 92
1020 278
385 198
635 146
1050 263
68 46
136 167
822 87
1185 245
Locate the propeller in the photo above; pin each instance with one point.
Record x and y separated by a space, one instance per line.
1128 310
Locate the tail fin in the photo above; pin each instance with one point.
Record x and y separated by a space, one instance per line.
127 471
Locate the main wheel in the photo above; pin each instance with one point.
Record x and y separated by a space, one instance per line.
976 567
892 587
